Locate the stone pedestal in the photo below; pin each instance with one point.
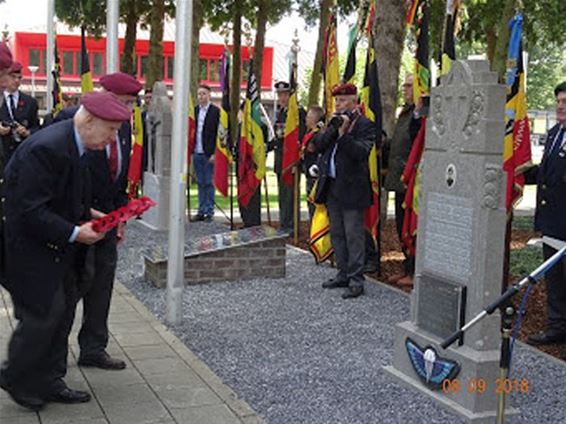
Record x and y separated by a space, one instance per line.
460 240
157 179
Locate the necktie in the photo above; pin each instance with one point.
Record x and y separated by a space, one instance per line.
12 106
113 160
557 143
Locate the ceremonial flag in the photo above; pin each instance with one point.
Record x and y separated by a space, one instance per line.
412 13
86 77
291 142
421 81
192 133
350 70
370 98
320 244
56 93
222 156
330 64
449 45
135 167
517 145
412 180
251 163
370 18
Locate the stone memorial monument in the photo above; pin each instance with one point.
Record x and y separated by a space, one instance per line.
156 178
460 246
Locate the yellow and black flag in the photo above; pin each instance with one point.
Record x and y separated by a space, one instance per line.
370 98
421 82
449 45
350 70
517 144
222 156
86 77
56 93
330 64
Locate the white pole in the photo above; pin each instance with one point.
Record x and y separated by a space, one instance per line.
112 11
181 89
50 52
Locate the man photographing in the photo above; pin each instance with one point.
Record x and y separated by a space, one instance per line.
344 186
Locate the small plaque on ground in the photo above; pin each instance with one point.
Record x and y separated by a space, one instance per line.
440 306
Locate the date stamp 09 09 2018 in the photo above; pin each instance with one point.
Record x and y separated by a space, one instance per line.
481 386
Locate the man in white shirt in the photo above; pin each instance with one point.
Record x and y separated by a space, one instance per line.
207 116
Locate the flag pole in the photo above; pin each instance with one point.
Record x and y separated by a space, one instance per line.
266 201
175 264
296 206
50 53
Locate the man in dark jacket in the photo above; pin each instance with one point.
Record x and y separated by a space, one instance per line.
109 174
47 194
18 113
285 193
207 116
344 186
550 177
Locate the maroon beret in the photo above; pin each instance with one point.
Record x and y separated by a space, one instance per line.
106 106
16 67
5 56
344 89
121 83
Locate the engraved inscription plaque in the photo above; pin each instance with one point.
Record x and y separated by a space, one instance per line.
448 236
440 306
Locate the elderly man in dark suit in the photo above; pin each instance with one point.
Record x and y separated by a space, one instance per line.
550 177
207 116
18 113
46 204
109 172
344 186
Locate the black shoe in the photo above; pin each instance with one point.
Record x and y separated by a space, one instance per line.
334 284
207 218
27 400
353 292
546 338
197 217
68 395
103 361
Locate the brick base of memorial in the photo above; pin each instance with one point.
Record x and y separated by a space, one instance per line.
234 255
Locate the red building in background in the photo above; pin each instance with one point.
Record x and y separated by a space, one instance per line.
30 50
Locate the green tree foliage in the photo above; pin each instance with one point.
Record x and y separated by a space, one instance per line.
90 13
546 68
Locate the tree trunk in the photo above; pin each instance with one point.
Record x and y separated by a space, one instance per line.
491 40
236 70
316 78
129 61
195 59
155 71
389 42
263 8
499 63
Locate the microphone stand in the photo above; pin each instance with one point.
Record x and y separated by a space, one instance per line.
502 302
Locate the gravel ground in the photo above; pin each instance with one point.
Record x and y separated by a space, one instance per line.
300 354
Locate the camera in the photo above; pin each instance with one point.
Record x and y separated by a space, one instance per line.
13 125
337 120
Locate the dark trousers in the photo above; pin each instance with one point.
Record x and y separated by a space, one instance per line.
347 236
251 214
38 348
309 185
409 263
555 280
101 266
204 171
285 204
